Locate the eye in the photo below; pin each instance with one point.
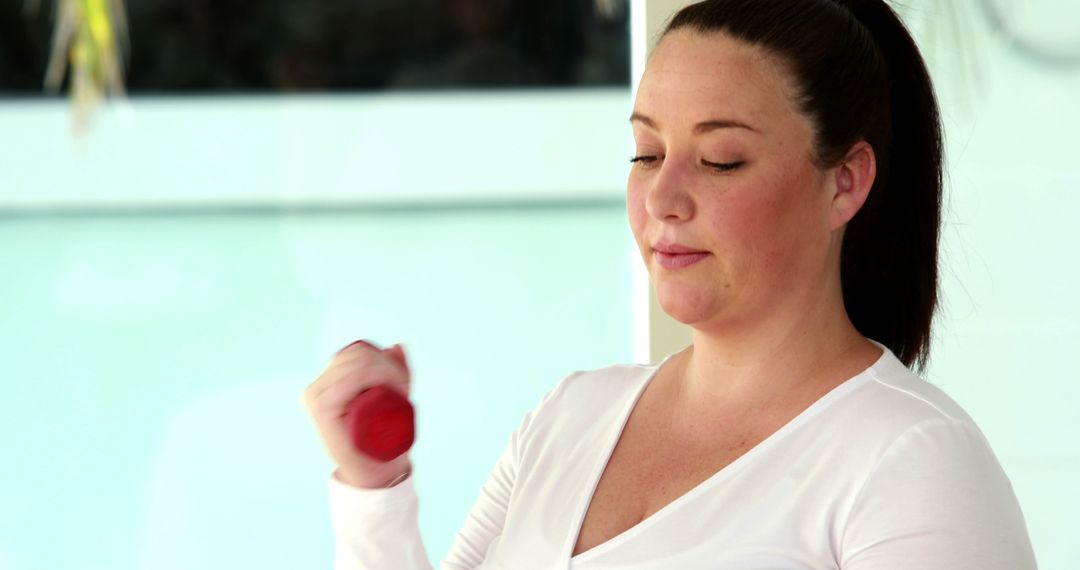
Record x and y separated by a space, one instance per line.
644 161
721 166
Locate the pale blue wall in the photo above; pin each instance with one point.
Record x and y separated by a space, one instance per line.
1007 336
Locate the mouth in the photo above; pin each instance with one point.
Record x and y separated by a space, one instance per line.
677 256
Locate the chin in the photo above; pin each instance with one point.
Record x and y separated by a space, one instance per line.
685 305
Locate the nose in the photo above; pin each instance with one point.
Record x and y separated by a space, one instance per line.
668 195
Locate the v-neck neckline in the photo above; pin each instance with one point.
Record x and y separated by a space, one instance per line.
802 417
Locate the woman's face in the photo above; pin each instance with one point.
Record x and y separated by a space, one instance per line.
724 167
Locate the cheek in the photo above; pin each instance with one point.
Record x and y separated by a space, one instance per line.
769 225
635 210
790 225
743 226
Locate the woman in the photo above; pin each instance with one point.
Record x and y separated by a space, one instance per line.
785 196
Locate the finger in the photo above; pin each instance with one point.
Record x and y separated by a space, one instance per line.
361 343
359 354
397 354
336 398
346 363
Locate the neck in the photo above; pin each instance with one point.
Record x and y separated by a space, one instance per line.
795 354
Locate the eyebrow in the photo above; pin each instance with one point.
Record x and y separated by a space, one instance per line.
700 128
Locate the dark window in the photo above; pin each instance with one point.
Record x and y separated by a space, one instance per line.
240 46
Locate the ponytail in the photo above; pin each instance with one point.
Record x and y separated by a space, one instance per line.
889 260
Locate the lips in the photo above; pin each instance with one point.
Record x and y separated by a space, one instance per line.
677 256
675 248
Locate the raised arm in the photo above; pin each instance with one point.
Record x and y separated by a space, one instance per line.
377 528
375 523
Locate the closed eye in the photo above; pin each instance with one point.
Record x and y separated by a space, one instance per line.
644 160
722 166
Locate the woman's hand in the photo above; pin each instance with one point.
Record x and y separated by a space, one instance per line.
355 368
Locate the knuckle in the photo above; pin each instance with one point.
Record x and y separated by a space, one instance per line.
358 346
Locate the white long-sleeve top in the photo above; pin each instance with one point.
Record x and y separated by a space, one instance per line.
885 472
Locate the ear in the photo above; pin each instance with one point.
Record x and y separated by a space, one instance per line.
852 179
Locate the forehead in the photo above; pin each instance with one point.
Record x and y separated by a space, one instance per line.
693 76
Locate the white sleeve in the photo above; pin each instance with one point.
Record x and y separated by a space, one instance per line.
938 499
485 521
377 529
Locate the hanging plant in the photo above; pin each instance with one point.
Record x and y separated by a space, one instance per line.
86 47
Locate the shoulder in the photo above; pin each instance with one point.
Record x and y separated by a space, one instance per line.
889 428
900 384
889 400
597 387
918 426
608 381
928 488
584 400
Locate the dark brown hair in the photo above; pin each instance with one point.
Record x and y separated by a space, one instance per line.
860 76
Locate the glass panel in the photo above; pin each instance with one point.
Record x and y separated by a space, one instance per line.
374 148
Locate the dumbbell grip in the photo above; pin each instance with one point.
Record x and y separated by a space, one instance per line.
381 423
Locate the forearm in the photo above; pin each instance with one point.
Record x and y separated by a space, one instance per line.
377 528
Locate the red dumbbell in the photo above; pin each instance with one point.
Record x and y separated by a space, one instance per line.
381 423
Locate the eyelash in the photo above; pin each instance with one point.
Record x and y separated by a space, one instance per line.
647 160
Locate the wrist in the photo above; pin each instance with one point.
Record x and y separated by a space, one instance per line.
396 480
391 476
